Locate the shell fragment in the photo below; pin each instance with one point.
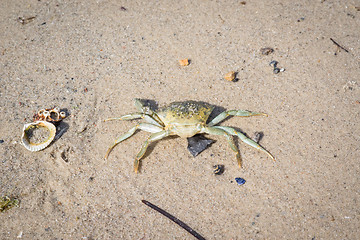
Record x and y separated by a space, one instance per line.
34 147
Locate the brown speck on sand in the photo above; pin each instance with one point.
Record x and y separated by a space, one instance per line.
230 76
184 62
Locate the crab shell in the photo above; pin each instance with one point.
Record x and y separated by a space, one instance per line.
34 147
186 118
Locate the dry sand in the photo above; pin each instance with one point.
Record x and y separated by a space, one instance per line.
93 57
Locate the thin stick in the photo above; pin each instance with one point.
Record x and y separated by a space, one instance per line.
175 220
338 45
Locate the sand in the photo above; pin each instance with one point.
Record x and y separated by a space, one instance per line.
92 58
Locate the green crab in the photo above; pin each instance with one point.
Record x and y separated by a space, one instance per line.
184 119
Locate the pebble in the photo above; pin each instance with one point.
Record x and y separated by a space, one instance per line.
197 144
230 76
184 62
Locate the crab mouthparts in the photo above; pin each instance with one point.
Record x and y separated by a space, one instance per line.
186 131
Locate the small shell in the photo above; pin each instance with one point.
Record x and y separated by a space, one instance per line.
62 115
218 169
230 76
34 147
273 63
50 115
54 115
276 70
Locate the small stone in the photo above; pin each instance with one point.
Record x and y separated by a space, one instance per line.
197 144
184 62
240 181
230 76
276 70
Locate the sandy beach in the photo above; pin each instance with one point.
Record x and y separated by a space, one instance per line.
92 58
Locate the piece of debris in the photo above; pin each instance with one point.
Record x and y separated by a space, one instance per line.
276 69
301 19
218 169
258 136
184 62
8 202
174 219
197 144
266 50
230 76
24 21
240 181
338 47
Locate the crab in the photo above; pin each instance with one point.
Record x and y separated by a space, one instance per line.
184 119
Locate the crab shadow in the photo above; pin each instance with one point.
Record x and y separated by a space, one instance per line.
61 127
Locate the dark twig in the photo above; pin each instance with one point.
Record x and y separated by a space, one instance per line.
175 220
339 46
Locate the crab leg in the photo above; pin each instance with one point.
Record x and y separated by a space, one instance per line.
142 126
146 110
245 139
129 116
132 116
153 137
239 113
217 131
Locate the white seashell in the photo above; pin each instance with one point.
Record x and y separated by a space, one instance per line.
62 115
34 147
